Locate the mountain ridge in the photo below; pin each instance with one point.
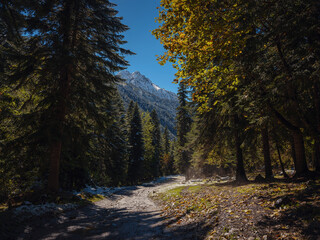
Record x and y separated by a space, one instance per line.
149 96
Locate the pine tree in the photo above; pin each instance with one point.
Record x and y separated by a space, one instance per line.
156 142
165 141
149 149
136 148
130 111
166 163
71 50
184 121
116 158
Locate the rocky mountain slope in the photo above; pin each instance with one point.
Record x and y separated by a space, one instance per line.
148 95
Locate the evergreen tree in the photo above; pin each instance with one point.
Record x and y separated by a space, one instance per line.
165 141
156 142
115 158
136 148
149 149
130 111
71 50
166 163
184 121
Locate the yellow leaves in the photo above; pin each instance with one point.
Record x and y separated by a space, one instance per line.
210 43
246 211
201 44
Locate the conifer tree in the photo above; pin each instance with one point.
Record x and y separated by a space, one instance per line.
156 142
166 163
147 127
130 111
116 158
71 50
136 148
184 121
165 141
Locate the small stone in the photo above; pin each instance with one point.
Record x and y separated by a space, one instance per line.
233 230
281 201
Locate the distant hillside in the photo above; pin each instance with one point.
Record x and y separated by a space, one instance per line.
148 95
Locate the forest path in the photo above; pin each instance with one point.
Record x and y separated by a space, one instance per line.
127 214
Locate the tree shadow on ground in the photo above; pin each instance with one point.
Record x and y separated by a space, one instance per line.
94 222
301 213
261 180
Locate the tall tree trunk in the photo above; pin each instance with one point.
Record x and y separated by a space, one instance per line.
285 175
293 152
240 171
266 153
55 152
60 109
316 147
301 163
56 143
316 154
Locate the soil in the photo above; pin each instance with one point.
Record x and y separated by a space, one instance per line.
178 211
127 214
278 210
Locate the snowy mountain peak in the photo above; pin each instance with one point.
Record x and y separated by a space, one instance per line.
144 83
124 74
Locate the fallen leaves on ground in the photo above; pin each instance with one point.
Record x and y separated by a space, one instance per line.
279 210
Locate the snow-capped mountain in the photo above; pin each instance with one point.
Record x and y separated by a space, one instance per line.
149 96
141 81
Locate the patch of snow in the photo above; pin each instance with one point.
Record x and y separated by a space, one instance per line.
144 83
104 191
27 211
156 87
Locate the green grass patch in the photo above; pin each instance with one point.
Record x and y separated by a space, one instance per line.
196 188
95 198
91 198
169 194
175 192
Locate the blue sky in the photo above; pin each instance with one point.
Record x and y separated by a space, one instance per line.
139 16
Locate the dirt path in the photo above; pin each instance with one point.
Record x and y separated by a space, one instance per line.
127 214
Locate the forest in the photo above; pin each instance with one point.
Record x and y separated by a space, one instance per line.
249 97
253 71
63 123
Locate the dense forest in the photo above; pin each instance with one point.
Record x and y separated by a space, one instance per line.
249 95
252 68
63 123
245 161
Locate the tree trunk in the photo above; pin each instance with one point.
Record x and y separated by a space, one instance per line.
301 163
316 154
266 153
293 152
60 109
55 152
240 171
316 147
285 175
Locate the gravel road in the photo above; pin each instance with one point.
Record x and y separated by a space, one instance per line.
127 214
